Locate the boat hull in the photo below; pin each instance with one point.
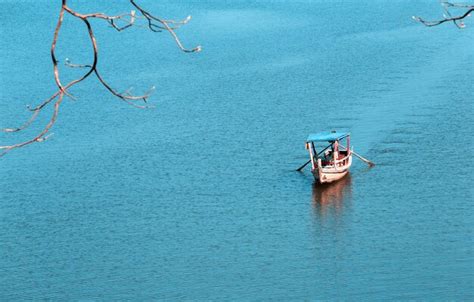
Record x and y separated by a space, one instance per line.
331 173
328 177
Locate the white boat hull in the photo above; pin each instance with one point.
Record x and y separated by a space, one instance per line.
328 174
327 177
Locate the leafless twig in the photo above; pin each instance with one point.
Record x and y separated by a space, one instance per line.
120 23
458 20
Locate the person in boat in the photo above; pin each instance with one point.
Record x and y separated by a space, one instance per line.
329 154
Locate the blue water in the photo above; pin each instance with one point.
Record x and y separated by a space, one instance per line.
198 199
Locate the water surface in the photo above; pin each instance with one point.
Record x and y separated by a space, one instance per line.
198 198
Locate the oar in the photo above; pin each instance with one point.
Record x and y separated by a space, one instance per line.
301 168
371 164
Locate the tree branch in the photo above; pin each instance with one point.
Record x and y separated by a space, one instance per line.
155 24
448 17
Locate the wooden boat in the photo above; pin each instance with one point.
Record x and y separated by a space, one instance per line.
334 160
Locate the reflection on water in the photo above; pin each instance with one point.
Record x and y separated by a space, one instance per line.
332 198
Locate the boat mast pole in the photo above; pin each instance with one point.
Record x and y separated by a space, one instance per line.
312 151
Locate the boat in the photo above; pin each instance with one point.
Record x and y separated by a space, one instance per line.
333 160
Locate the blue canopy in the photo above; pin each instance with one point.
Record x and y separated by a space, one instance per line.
326 136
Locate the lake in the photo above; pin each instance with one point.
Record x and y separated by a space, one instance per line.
198 198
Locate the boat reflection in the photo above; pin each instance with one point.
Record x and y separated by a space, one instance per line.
333 197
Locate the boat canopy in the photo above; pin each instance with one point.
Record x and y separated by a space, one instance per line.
326 136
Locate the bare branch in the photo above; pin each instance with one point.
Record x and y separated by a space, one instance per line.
448 17
165 25
41 137
128 20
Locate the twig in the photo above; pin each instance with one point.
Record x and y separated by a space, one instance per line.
448 17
